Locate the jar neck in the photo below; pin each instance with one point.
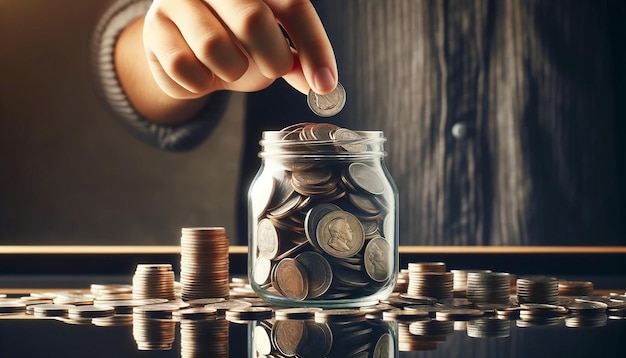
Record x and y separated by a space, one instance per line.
359 146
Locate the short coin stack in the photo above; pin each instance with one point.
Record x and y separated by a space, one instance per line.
430 279
153 281
204 263
538 289
488 287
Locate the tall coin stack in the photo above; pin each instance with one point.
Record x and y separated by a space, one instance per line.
204 263
153 281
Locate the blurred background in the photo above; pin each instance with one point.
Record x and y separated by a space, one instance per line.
69 173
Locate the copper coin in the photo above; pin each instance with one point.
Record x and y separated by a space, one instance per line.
290 279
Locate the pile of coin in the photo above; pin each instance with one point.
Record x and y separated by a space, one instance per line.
324 229
538 289
204 263
153 281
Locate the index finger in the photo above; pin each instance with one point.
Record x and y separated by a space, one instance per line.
301 21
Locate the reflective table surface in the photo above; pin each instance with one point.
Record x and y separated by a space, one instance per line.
336 334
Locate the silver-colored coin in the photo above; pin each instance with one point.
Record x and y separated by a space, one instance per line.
262 269
313 218
366 178
384 346
328 104
340 234
349 140
267 239
377 263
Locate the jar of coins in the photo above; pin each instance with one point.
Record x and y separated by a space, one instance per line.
322 218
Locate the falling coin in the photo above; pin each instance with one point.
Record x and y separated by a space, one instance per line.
328 104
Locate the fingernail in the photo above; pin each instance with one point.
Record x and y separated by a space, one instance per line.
323 80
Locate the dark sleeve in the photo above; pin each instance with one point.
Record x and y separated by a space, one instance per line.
180 137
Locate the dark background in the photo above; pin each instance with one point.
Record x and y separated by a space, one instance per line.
69 173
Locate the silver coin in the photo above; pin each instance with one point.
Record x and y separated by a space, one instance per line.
349 140
328 104
377 263
366 178
267 238
340 234
313 218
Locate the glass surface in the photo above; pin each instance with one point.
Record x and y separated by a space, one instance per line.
22 336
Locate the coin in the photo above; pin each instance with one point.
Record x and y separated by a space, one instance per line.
340 234
267 239
312 219
249 313
349 140
377 263
462 314
295 313
289 278
384 346
366 178
318 272
328 104
288 335
91 311
12 307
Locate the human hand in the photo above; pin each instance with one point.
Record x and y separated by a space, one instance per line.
195 47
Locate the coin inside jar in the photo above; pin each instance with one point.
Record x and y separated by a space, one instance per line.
340 234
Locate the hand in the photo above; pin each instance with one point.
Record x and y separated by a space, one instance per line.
195 47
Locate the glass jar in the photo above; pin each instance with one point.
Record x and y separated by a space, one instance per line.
323 218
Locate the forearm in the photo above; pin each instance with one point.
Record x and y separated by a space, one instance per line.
139 85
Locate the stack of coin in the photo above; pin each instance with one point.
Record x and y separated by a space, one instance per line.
153 334
204 263
51 310
538 289
575 288
489 328
460 281
430 284
409 342
12 307
153 281
488 287
204 338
